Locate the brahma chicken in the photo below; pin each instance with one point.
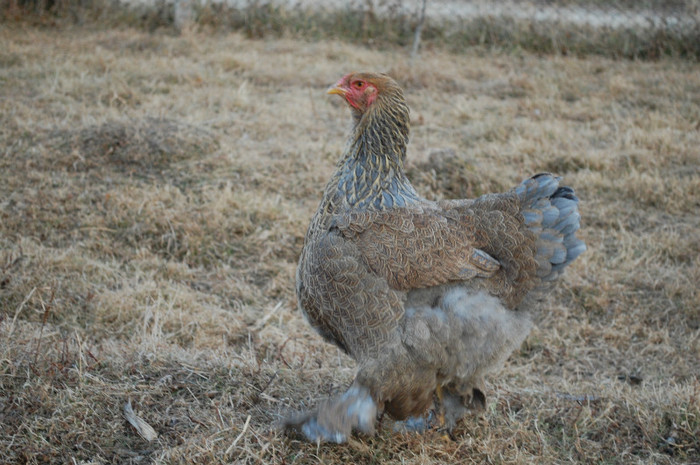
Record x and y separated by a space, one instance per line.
428 297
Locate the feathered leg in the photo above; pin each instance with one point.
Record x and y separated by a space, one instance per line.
336 418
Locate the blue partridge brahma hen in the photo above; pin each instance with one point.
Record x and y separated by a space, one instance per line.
428 297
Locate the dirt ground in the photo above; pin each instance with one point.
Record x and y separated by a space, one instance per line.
154 195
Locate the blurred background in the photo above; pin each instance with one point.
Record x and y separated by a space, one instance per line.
627 28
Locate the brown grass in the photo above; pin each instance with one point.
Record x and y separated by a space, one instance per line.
385 23
154 194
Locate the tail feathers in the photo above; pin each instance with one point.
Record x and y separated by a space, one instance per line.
551 212
539 186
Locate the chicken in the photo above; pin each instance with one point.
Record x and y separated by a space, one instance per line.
427 297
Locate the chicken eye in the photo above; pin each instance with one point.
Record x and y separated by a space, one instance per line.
359 84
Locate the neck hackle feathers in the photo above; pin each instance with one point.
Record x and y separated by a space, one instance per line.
371 171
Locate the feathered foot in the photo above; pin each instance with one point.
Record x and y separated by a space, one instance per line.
434 419
335 419
450 408
416 424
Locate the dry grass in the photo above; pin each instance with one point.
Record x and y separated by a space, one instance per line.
611 28
154 194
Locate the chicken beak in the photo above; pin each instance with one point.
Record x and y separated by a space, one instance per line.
336 90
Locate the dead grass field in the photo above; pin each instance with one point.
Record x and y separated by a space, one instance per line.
154 195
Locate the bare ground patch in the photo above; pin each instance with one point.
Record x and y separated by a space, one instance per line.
146 145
